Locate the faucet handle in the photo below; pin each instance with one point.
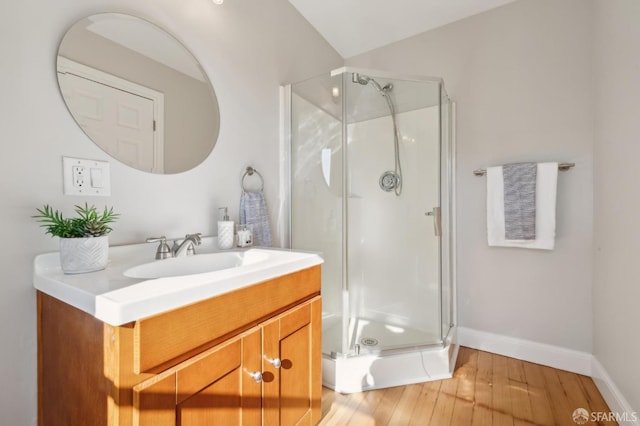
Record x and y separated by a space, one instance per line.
197 237
164 251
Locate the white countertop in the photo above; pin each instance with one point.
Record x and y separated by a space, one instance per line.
116 299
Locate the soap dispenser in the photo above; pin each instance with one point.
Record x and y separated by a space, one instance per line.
225 230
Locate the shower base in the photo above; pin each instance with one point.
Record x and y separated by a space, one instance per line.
384 356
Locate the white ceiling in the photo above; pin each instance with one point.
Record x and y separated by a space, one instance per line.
356 26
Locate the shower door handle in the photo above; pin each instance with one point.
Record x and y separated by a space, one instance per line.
437 221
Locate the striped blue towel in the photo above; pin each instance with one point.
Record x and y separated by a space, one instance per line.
520 201
253 211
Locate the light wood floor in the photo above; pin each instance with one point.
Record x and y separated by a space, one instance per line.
487 389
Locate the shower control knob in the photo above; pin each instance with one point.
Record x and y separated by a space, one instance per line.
257 376
275 362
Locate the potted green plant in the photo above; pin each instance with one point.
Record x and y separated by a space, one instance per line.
84 243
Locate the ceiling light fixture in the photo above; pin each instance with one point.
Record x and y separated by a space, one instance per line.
218 1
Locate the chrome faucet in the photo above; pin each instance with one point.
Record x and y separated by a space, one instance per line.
187 246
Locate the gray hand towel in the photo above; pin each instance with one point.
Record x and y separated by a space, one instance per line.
520 200
253 211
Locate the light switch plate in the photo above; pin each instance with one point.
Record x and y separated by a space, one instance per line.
86 177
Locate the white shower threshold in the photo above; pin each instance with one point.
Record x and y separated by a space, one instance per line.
368 371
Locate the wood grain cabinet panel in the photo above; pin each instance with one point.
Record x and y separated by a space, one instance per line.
208 389
211 383
292 397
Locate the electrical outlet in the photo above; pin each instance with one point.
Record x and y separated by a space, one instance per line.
79 176
86 177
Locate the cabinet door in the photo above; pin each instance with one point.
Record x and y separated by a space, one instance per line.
209 388
212 388
154 401
291 366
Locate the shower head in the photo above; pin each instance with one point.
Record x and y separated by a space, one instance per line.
365 79
357 78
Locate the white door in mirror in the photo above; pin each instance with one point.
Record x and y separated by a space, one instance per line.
115 114
86 177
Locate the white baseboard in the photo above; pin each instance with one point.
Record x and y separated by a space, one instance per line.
527 350
556 357
615 400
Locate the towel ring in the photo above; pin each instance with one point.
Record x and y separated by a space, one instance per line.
249 172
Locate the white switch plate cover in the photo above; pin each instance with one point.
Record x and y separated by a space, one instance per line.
80 177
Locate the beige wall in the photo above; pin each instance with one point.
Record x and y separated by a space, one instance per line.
247 47
520 75
616 292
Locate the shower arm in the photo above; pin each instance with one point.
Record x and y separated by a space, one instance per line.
384 91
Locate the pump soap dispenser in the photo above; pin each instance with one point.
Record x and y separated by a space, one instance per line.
225 230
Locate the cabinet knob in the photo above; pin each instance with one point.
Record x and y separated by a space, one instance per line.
257 376
274 361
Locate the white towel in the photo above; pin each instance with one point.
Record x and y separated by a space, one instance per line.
253 211
546 188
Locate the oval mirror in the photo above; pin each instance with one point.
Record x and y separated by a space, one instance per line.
138 93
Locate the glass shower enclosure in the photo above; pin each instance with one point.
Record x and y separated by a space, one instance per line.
371 189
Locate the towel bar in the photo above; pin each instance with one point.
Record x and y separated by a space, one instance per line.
563 167
249 172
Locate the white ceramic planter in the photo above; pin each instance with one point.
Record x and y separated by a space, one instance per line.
80 255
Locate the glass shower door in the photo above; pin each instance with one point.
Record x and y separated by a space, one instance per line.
316 191
393 250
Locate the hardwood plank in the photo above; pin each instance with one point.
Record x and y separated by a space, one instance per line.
520 404
502 419
482 411
423 412
533 374
573 389
486 390
516 370
465 373
462 413
482 416
519 422
560 404
363 414
538 396
466 370
443 411
467 360
341 408
390 399
593 396
328 398
406 405
540 405
501 396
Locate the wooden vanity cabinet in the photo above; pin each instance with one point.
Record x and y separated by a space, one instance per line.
266 371
291 365
212 388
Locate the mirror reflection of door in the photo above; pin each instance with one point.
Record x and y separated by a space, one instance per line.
121 120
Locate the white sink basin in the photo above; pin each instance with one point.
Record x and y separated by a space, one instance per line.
133 287
198 264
